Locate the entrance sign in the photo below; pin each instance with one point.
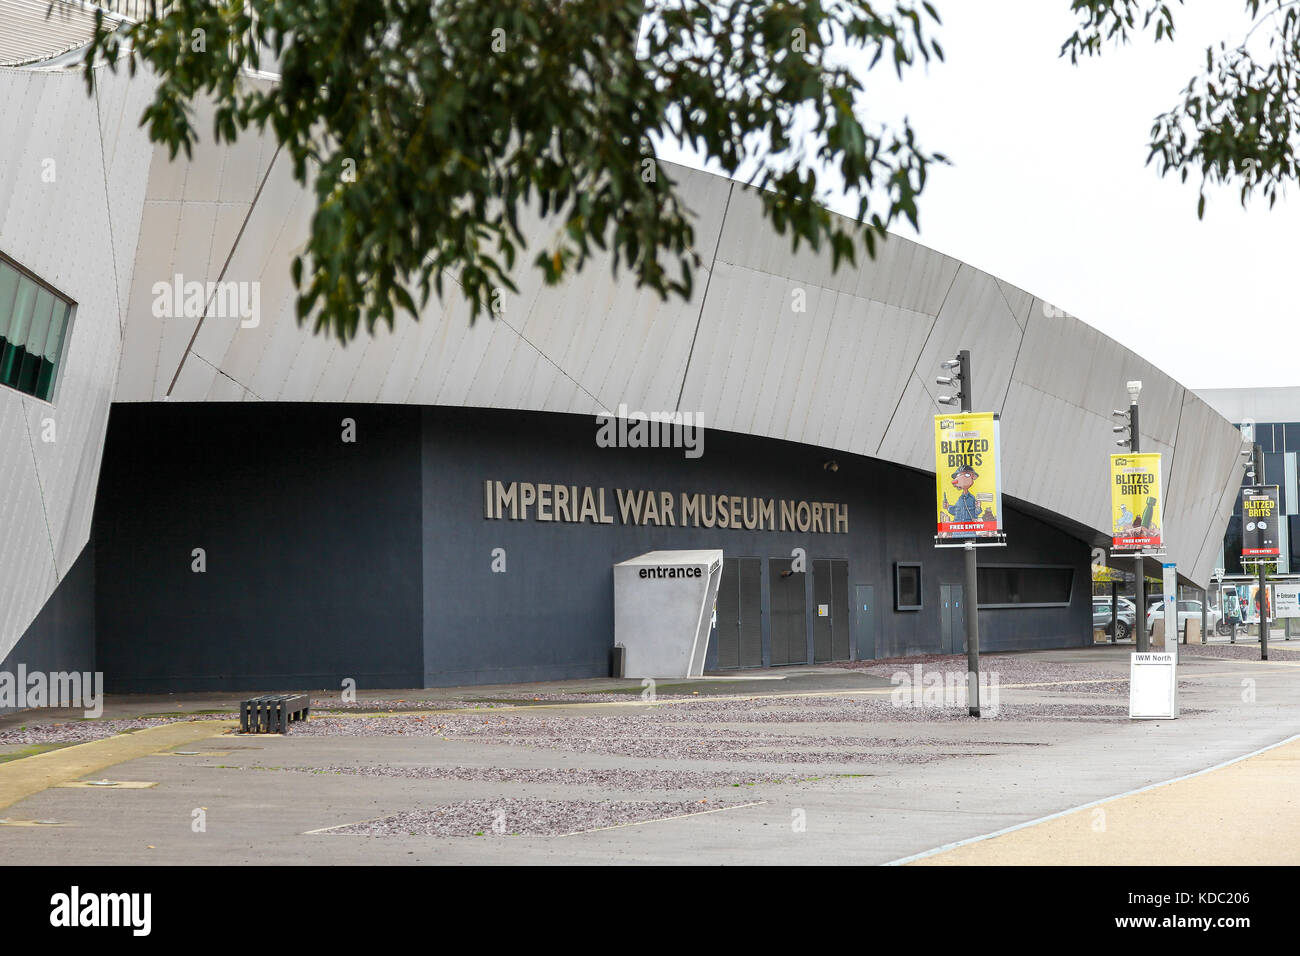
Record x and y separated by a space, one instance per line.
968 476
1135 506
663 611
1286 600
1153 686
1259 521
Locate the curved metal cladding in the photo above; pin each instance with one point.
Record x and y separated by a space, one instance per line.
72 184
35 30
852 371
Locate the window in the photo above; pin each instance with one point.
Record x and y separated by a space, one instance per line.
33 324
1041 586
907 587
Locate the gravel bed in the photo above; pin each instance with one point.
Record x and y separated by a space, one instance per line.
597 697
610 779
519 817
696 731
83 731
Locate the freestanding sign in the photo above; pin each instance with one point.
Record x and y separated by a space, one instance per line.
968 480
1153 686
1259 520
1153 677
1135 502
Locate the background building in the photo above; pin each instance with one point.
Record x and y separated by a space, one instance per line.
1271 417
184 508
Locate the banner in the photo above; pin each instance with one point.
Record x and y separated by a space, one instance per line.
968 479
1259 519
1135 502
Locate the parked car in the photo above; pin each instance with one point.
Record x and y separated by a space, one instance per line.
1186 609
1124 617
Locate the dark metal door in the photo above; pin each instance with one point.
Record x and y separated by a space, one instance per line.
830 617
952 619
822 604
864 620
751 611
839 610
729 615
789 613
740 625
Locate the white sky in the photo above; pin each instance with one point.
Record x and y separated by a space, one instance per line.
1049 189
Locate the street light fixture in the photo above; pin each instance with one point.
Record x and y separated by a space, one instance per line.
1132 442
960 365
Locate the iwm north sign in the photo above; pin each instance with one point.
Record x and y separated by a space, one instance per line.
585 504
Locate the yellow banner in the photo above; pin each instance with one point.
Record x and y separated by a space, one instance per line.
1135 502
968 482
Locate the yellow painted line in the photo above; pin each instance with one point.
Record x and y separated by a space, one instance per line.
1244 812
710 698
108 784
34 823
1234 660
30 775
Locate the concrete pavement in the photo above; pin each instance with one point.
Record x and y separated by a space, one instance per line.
907 784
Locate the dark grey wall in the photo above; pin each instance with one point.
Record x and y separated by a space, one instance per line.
313 547
550 615
62 638
373 560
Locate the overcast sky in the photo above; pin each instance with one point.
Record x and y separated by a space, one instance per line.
1049 190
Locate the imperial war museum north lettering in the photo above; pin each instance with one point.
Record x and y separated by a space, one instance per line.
586 504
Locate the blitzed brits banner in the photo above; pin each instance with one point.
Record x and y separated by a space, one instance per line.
1135 502
1259 518
968 481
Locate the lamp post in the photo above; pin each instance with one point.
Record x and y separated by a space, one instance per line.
1261 596
1133 441
960 372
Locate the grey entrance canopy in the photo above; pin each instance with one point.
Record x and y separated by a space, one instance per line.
663 611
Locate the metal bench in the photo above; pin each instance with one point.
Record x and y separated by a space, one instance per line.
272 713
